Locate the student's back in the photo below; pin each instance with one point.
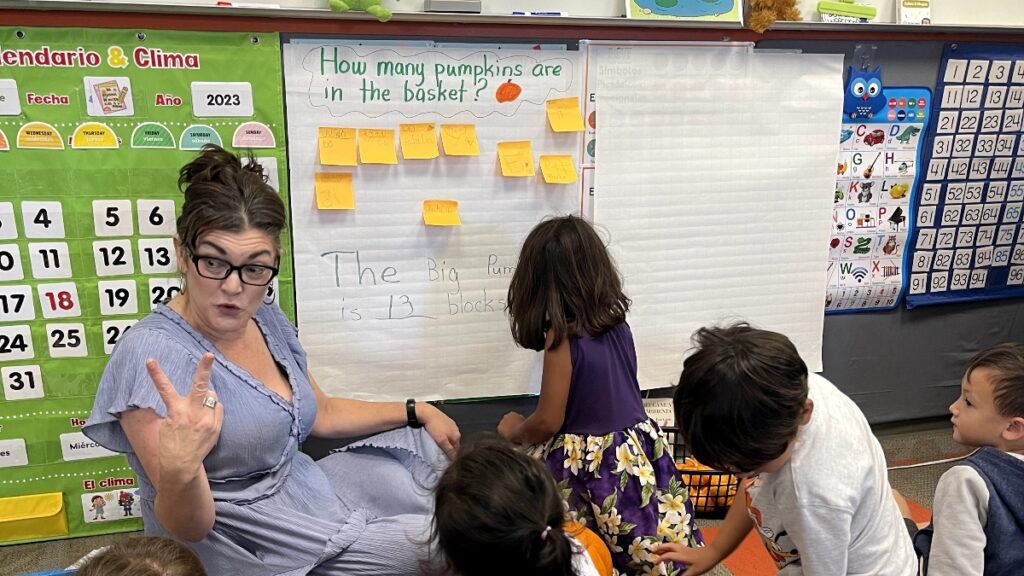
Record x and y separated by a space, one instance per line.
590 427
816 486
604 395
835 482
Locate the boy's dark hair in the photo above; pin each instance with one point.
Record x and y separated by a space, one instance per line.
223 194
741 396
498 513
1007 361
565 282
144 557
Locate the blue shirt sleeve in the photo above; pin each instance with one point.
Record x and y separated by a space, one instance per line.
126 385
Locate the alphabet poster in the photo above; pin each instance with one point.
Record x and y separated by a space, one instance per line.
94 125
417 171
876 174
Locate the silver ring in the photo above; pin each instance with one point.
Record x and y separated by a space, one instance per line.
210 402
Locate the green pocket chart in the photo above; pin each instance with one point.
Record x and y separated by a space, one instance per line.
94 126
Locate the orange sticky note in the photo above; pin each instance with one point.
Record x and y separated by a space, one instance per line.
441 213
516 158
377 146
334 191
419 141
337 146
557 169
459 140
564 115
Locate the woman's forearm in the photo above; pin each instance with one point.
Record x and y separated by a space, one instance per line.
184 504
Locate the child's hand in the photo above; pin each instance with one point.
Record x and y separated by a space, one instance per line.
697 560
509 426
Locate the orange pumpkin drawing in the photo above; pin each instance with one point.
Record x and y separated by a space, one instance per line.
508 91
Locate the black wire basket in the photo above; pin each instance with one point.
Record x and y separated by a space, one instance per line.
711 491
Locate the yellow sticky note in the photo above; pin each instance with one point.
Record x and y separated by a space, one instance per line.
564 115
460 140
441 213
334 191
377 146
557 169
419 141
516 158
337 146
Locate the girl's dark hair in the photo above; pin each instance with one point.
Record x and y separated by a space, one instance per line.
565 282
741 396
144 557
1007 361
223 194
498 513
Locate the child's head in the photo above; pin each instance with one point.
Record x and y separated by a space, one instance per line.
990 408
498 512
98 500
144 557
741 398
565 281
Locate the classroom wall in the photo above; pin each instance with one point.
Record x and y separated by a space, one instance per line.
906 364
898 365
944 12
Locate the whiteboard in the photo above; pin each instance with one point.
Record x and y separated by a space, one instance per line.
714 172
389 308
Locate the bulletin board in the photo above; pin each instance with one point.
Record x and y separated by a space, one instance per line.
391 306
876 176
968 214
94 125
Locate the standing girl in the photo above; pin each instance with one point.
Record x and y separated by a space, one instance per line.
609 458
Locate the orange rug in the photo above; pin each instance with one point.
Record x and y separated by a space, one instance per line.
751 559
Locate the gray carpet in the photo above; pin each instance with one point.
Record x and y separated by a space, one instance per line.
904 444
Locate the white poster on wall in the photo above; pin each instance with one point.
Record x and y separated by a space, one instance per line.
727 159
389 308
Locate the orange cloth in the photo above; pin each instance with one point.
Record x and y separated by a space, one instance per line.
595 546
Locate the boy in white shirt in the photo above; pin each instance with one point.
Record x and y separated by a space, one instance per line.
978 517
814 483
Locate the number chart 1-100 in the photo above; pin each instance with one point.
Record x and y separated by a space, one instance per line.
967 243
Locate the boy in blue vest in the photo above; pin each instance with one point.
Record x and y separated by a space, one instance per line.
978 514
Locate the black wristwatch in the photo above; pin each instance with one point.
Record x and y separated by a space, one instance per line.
410 414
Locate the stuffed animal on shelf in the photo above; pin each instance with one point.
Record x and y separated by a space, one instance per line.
371 7
764 13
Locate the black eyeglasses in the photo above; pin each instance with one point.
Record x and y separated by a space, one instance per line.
217 269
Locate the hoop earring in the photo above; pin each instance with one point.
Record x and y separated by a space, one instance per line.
271 296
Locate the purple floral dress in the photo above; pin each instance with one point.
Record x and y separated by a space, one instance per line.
612 462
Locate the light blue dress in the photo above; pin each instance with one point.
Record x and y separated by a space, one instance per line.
363 510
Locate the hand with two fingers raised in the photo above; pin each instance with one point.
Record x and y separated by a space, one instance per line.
192 426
